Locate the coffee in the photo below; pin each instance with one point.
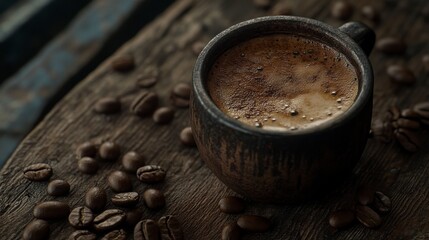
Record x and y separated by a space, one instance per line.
282 82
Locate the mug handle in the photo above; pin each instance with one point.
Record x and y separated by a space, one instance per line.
363 35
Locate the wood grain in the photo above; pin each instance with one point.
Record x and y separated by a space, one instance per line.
192 191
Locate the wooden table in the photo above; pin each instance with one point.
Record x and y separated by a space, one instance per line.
192 191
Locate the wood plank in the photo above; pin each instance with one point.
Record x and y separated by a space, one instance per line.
192 191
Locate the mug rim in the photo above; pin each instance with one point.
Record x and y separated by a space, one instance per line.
200 93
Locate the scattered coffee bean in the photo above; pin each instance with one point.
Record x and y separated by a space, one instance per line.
51 210
179 102
341 218
115 235
186 137
163 115
395 113
107 105
253 223
132 161
410 114
371 13
342 10
36 230
133 217
82 235
281 8
87 165
146 81
95 199
425 61
145 104
365 195
154 199
38 172
231 232
409 140
86 149
151 174
109 219
81 217
408 123
422 109
127 199
231 204
170 228
147 230
368 217
391 45
120 182
382 202
182 90
123 63
109 151
401 74
264 4
58 188
197 47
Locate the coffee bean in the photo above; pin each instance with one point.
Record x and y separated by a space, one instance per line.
368 217
36 230
425 61
109 151
395 113
120 182
410 114
342 10
186 137
341 218
182 90
38 172
127 199
115 235
408 123
144 104
132 161
107 105
170 228
281 8
146 81
383 131
179 102
147 230
264 4
365 195
109 219
87 165
82 235
133 217
382 202
86 149
163 115
409 140
401 74
154 199
58 188
391 45
253 223
151 174
231 204
95 199
81 217
422 109
197 47
51 210
231 232
123 63
371 13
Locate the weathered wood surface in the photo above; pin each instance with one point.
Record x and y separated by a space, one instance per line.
192 191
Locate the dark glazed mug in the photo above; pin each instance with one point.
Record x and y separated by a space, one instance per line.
284 167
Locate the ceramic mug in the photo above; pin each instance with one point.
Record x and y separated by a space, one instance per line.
276 166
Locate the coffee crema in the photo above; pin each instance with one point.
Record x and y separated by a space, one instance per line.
282 82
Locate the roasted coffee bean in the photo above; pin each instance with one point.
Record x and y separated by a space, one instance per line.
371 13
127 199
95 199
82 235
382 131
147 230
123 63
197 47
264 4
408 123
342 10
341 218
382 202
395 113
58 188
86 149
51 210
145 104
390 45
401 74
182 90
368 217
132 161
109 151
87 165
186 137
365 195
281 8
146 81
154 199
179 102
81 217
253 223
151 174
422 109
231 232
133 217
36 230
38 172
425 60
107 105
170 228
410 114
409 140
120 182
109 219
115 235
163 115
231 204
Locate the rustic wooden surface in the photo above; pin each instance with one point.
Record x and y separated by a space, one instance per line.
192 191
